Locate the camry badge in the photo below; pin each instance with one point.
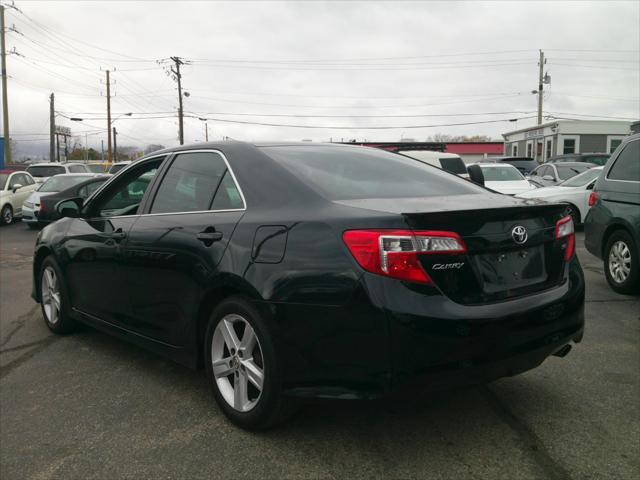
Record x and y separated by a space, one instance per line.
519 234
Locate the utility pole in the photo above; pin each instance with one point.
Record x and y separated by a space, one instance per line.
52 128
115 148
5 102
178 76
540 87
86 147
57 148
109 156
102 147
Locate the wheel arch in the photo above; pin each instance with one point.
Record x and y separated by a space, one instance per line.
611 229
576 209
42 253
233 286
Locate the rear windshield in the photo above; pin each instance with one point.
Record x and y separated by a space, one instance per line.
351 173
501 174
453 165
566 172
596 159
45 170
57 184
582 179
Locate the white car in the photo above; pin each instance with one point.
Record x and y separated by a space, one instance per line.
41 172
449 162
15 187
504 178
574 192
55 184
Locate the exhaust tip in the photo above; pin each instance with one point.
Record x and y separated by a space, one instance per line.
562 351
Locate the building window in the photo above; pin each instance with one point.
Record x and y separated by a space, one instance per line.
569 146
514 150
613 142
529 149
548 149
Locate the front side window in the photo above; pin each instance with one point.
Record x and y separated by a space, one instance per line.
627 166
190 183
89 188
125 196
568 145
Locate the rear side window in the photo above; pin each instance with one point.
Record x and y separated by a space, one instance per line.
351 173
627 166
190 183
453 165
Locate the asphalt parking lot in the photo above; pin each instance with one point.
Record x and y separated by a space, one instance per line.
90 406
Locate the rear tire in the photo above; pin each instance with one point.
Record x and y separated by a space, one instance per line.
54 298
243 366
621 263
6 215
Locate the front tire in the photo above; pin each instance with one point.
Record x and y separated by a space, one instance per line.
54 300
6 215
243 366
621 263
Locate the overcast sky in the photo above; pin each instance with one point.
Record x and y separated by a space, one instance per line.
357 61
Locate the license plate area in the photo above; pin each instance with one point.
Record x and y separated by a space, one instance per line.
502 271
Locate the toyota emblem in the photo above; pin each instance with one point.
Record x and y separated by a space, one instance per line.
519 234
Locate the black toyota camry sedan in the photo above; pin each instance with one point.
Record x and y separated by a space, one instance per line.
309 270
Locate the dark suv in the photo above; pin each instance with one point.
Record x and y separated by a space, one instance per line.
612 226
524 164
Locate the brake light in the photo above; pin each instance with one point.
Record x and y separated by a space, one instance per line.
565 230
593 199
394 253
41 206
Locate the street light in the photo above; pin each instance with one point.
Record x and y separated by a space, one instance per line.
206 128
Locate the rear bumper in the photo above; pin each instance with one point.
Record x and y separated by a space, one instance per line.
392 336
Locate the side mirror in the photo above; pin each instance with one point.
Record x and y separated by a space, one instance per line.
69 208
548 178
16 186
475 174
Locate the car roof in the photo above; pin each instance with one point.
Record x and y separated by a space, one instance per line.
54 164
495 165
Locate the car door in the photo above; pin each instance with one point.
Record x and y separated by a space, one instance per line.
93 247
20 194
175 247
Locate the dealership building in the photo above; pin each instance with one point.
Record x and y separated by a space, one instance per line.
565 136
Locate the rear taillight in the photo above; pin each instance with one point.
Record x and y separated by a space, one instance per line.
565 231
593 199
394 253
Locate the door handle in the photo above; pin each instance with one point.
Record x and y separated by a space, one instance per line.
209 235
117 234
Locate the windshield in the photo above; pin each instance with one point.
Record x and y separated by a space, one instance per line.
3 180
350 173
45 170
57 184
565 172
501 174
582 179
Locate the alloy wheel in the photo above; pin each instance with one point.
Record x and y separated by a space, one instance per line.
50 294
238 363
619 261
